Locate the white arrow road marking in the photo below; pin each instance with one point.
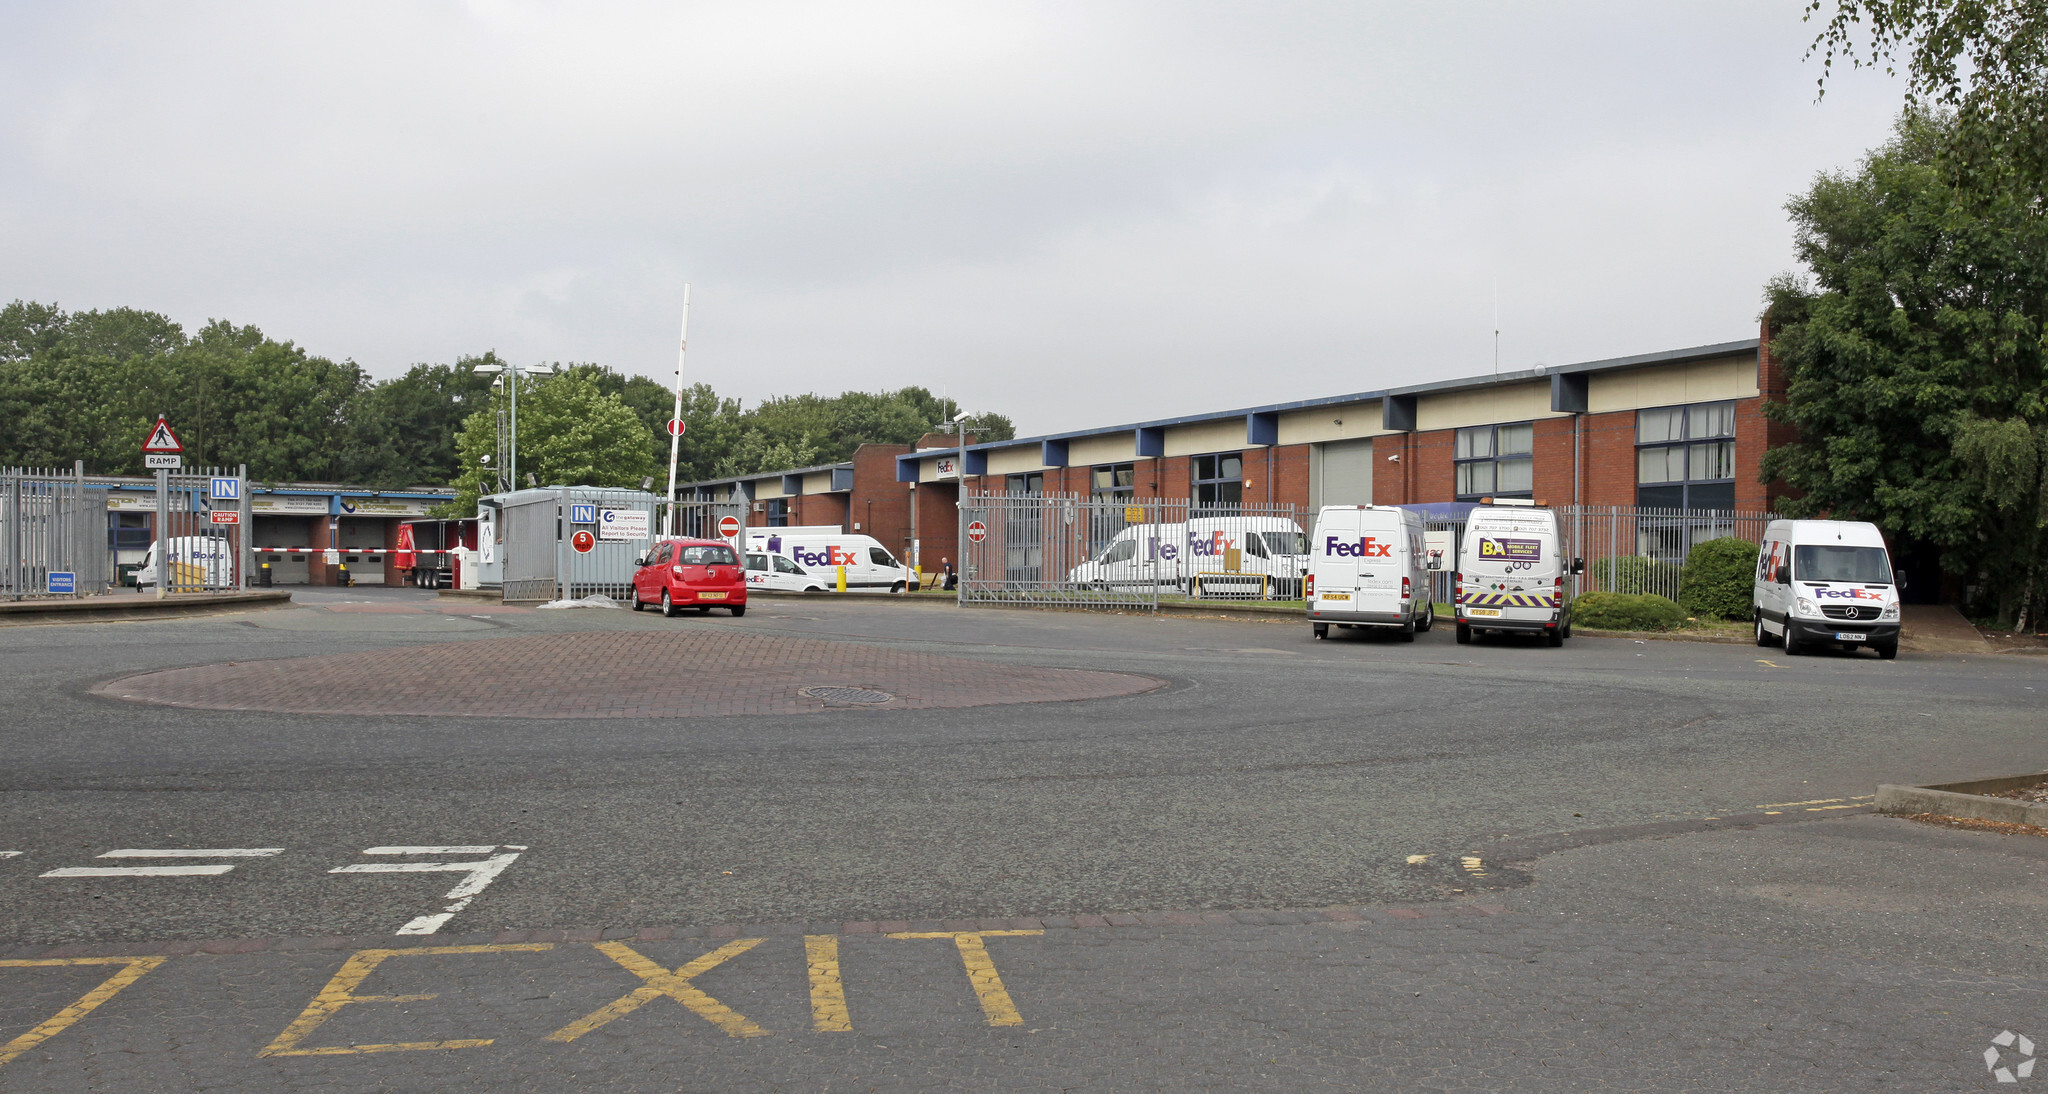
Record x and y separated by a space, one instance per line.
211 869
481 874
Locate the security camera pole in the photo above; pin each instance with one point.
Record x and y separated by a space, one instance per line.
675 422
512 392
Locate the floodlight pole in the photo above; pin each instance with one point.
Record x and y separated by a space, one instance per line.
675 439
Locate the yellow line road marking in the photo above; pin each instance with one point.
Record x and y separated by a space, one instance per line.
1417 860
63 1019
676 985
340 992
828 995
981 972
1473 865
1768 664
1773 812
1816 801
1825 808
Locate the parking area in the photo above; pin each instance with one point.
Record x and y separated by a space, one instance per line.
1246 859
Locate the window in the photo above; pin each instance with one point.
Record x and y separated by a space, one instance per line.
1120 551
1827 562
1217 482
1287 543
130 532
880 557
1032 484
786 566
1495 461
778 513
757 562
707 556
1685 457
661 554
1117 480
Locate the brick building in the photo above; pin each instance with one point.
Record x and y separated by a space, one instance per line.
1678 429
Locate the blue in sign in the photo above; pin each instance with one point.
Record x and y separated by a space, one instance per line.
64 581
227 490
583 512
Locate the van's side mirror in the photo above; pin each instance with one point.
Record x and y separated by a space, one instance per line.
1578 566
1901 579
1784 574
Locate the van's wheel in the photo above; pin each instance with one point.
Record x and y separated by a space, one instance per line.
1320 630
1793 646
1889 651
1428 617
1556 637
897 588
668 606
738 610
1464 635
1763 637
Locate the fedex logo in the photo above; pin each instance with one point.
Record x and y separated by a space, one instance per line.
1215 543
1847 594
1367 547
834 555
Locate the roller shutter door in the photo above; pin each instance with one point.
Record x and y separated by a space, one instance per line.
1342 473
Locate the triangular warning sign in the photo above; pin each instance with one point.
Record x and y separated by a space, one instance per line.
161 439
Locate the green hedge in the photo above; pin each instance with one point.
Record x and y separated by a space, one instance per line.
1719 579
1634 574
1626 612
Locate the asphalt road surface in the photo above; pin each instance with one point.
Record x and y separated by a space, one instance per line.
387 841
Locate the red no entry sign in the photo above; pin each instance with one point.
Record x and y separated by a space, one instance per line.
728 526
676 427
977 531
583 541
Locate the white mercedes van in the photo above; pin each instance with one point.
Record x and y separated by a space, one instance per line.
1826 581
1368 568
196 562
822 551
1511 573
1141 556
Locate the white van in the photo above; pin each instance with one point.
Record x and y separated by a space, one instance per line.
1270 546
781 573
196 562
1511 574
869 565
1826 581
1139 557
1368 567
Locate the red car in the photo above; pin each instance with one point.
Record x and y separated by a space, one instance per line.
699 573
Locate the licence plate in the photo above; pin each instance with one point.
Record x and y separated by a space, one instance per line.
1333 596
1849 636
1482 611
711 596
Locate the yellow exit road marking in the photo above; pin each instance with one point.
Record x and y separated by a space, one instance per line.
63 1019
1768 664
340 992
1418 860
1815 801
675 985
828 994
981 971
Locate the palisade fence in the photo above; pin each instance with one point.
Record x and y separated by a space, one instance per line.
52 522
1089 551
1098 551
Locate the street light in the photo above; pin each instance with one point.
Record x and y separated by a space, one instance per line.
512 390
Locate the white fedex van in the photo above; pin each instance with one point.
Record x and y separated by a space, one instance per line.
1511 573
1271 546
1826 581
869 565
780 572
196 561
1368 567
1140 556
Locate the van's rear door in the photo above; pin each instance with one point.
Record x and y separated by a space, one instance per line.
1380 561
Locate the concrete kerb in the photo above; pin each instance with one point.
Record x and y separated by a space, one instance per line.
1967 800
98 609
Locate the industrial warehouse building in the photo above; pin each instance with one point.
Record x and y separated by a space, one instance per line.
1678 429
305 532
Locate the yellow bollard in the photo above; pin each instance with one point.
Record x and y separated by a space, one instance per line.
842 579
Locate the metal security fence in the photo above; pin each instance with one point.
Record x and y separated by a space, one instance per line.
1628 549
52 522
568 542
201 541
1095 551
700 519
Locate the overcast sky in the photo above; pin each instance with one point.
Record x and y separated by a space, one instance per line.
1077 214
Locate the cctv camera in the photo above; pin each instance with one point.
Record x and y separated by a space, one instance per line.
1395 458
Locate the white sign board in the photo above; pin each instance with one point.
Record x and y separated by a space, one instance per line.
622 524
1438 543
169 461
948 467
487 537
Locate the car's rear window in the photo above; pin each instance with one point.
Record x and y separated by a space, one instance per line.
708 556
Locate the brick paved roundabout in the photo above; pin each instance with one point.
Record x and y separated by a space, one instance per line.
618 675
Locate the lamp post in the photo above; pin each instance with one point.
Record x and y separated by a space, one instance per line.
959 423
512 374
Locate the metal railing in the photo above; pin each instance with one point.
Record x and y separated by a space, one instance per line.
201 544
1103 551
51 522
1627 548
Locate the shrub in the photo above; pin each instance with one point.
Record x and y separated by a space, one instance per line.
1634 574
1626 612
1719 579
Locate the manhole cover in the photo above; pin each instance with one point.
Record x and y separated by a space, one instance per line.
834 693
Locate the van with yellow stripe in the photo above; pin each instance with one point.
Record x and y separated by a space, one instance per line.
1511 574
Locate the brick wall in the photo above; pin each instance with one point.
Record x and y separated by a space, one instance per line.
879 502
1552 449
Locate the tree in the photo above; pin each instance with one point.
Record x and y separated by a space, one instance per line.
1922 322
1982 60
402 432
570 434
